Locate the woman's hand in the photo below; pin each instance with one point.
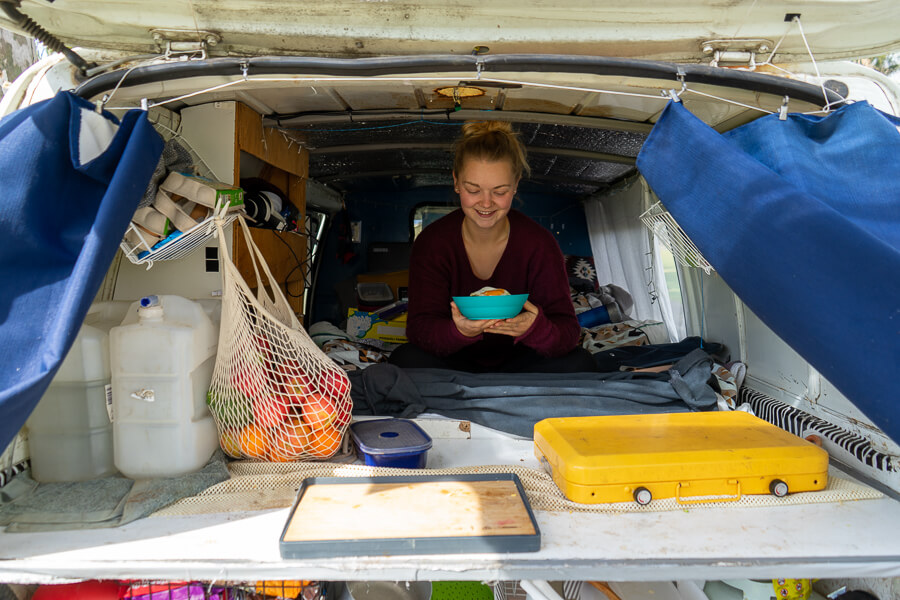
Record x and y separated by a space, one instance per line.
467 327
517 325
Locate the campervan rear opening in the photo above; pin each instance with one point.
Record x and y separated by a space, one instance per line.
361 150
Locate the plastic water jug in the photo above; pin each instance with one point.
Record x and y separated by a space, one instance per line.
70 436
162 359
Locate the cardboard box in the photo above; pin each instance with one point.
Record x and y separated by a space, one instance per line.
362 324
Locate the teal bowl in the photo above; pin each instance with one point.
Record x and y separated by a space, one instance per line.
490 307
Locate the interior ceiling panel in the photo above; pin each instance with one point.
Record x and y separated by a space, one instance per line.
358 154
582 138
576 169
352 165
368 131
359 136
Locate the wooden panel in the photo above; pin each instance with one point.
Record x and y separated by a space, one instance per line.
274 247
287 167
268 144
409 510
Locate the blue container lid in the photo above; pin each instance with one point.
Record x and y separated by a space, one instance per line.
390 436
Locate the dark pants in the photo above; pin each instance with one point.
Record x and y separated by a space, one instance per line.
521 360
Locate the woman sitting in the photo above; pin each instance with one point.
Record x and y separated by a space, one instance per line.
487 243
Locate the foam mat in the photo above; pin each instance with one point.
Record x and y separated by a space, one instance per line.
262 486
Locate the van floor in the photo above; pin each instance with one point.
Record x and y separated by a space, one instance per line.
825 540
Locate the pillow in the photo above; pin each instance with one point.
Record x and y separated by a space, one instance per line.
582 274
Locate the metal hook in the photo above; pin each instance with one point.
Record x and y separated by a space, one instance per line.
783 111
680 75
672 94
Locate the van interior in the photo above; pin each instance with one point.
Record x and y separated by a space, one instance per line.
359 153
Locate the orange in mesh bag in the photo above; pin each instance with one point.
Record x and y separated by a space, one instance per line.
274 395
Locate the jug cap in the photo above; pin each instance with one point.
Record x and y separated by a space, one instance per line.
150 313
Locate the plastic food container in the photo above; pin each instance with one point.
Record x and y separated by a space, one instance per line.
373 295
391 443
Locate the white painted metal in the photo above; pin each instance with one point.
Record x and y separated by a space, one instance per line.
774 369
863 83
653 29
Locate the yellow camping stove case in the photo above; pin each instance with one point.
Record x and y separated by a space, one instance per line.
693 457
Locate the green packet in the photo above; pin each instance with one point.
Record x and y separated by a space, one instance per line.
201 190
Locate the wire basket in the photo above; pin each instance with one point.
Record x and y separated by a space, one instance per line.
659 221
145 252
246 590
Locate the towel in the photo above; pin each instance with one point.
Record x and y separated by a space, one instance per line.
27 506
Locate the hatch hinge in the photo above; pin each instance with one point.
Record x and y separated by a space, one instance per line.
735 52
184 44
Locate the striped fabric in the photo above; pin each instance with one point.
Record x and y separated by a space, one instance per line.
802 424
7 474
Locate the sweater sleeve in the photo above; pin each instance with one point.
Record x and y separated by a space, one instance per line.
429 324
555 331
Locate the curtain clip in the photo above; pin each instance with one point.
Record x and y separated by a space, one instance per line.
672 94
101 103
783 111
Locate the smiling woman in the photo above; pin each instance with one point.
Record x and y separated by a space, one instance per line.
486 242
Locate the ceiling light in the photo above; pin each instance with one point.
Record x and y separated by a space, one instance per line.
458 92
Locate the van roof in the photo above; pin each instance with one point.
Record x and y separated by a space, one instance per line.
689 31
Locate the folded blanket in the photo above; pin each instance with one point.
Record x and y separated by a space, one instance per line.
514 402
650 355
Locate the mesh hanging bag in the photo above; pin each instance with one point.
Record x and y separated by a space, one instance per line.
274 395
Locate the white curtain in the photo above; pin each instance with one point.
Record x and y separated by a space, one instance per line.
624 254
672 314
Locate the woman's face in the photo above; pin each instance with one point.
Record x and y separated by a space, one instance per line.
486 190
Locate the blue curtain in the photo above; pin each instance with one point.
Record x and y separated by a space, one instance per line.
801 218
70 180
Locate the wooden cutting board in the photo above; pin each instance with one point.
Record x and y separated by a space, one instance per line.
404 515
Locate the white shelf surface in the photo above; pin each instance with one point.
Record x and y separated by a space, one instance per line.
835 540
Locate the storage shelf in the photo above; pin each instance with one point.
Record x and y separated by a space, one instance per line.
839 540
179 247
670 234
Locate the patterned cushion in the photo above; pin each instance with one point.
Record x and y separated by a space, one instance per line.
582 274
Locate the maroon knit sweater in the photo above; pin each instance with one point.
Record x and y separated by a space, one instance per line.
532 263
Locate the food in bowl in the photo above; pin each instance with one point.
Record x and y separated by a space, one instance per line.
490 291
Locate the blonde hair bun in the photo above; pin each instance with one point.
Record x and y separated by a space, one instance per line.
478 128
492 141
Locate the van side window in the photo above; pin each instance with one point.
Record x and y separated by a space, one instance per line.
672 283
426 214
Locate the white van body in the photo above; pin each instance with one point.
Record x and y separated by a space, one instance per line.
573 65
